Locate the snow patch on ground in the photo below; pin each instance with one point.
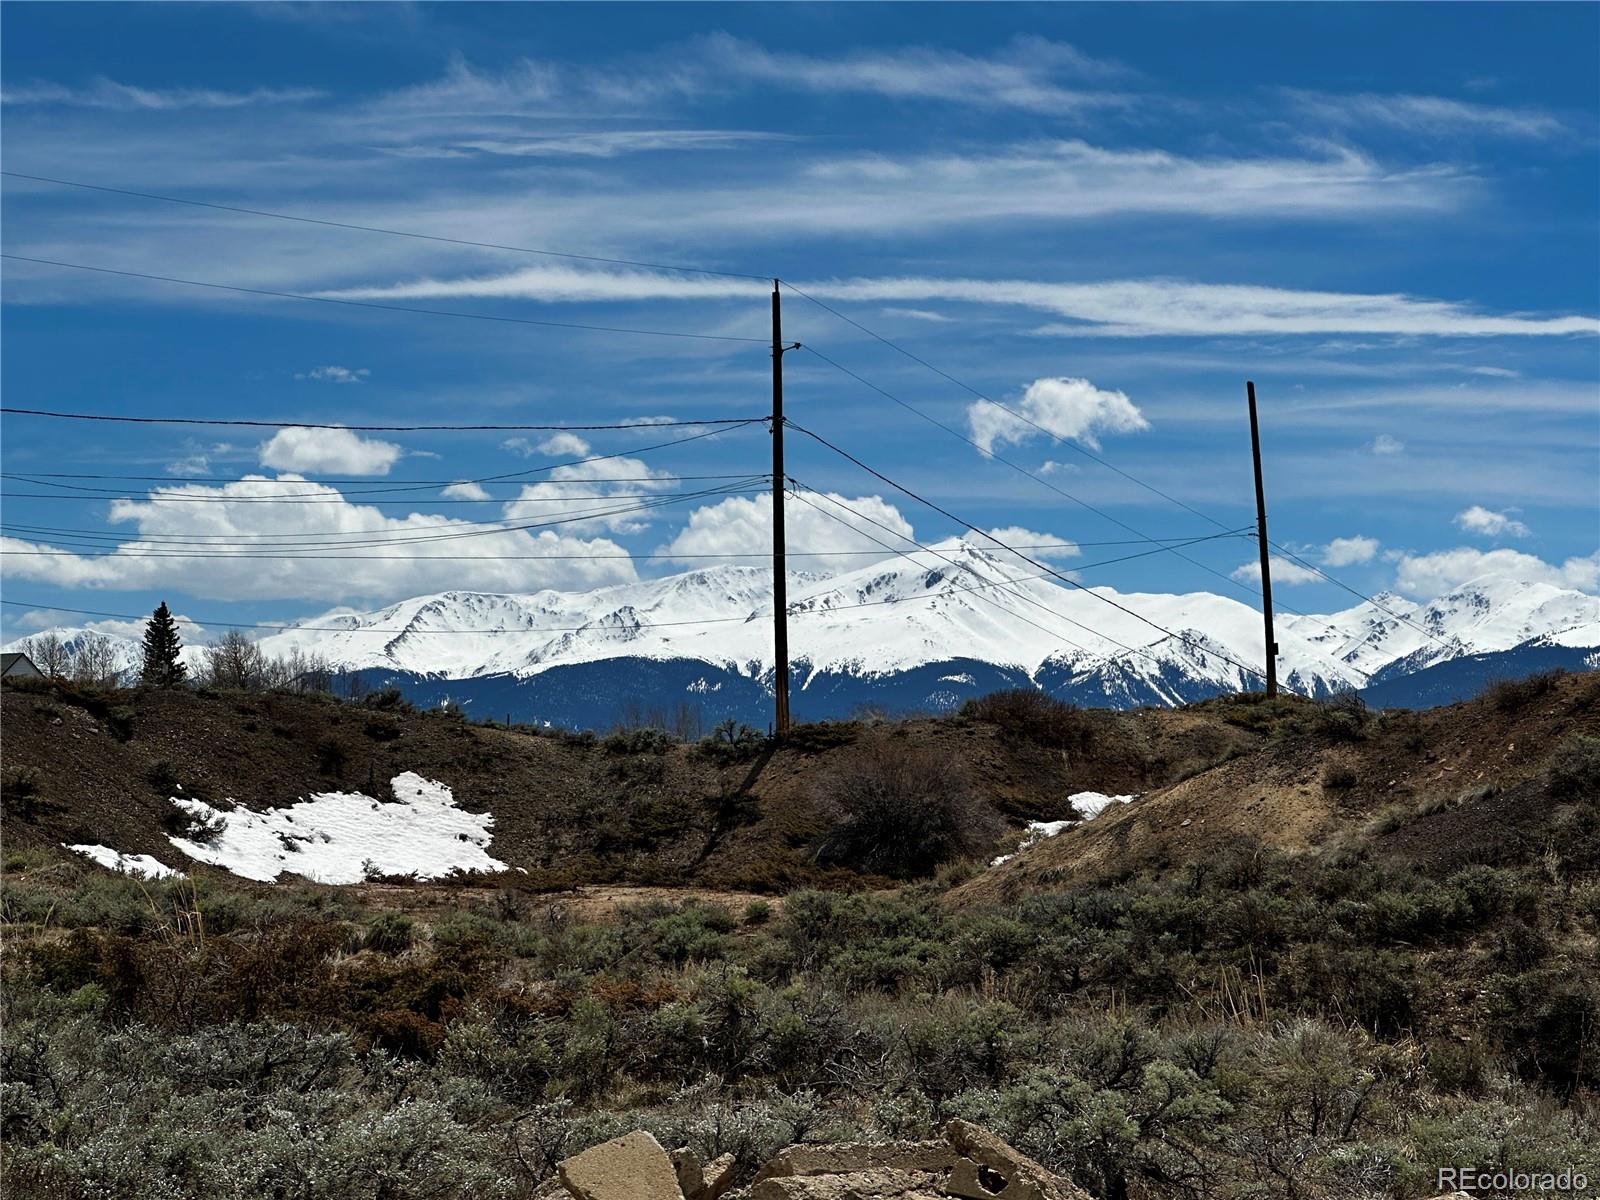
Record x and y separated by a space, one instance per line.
1090 804
346 837
128 864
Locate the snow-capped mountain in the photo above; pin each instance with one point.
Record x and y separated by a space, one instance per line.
919 632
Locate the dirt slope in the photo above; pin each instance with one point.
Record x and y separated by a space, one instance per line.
1441 787
567 811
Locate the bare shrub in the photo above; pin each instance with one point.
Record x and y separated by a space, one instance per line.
1033 716
1510 695
906 810
1575 767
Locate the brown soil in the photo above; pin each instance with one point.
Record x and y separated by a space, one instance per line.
1478 768
566 812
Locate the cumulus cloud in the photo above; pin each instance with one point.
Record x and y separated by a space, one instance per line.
1042 546
1386 444
336 374
816 540
1284 570
1444 570
341 551
331 451
1067 408
466 489
1348 551
600 494
1489 523
564 443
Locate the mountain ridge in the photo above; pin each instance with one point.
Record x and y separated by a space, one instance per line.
936 617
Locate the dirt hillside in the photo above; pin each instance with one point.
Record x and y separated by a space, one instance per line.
101 767
1441 787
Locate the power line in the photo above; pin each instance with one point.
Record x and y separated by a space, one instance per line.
35 604
1361 595
1008 580
1015 466
403 308
985 533
43 478
1073 446
460 530
1057 438
75 416
157 497
427 237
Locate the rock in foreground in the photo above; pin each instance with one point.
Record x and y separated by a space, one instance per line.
967 1162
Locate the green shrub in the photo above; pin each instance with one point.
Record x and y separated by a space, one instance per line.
389 933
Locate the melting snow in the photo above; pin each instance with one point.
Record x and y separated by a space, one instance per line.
1090 804
345 837
128 864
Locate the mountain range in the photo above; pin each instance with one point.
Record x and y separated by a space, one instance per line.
922 633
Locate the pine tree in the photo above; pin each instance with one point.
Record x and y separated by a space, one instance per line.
162 665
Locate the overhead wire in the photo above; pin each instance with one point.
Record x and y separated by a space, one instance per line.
401 308
1007 581
427 237
900 487
258 424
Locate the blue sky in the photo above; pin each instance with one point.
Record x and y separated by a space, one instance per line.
1105 218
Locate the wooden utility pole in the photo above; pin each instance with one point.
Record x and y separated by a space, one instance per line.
780 579
1261 539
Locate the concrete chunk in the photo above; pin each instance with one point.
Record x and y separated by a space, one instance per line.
634 1167
848 1157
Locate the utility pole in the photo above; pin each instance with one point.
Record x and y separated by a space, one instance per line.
1261 539
780 579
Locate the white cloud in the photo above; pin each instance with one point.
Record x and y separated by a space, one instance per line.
1485 521
816 540
420 552
465 490
1348 551
1428 115
1385 444
336 374
108 93
1042 547
334 451
1024 75
1109 308
582 488
191 631
612 143
1495 372
1444 570
1285 571
190 464
564 443
1067 408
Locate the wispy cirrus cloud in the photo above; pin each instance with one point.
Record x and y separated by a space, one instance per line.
1111 308
110 94
1428 116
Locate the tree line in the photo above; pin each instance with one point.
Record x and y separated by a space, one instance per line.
233 661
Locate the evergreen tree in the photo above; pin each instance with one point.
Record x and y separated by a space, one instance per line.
162 665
